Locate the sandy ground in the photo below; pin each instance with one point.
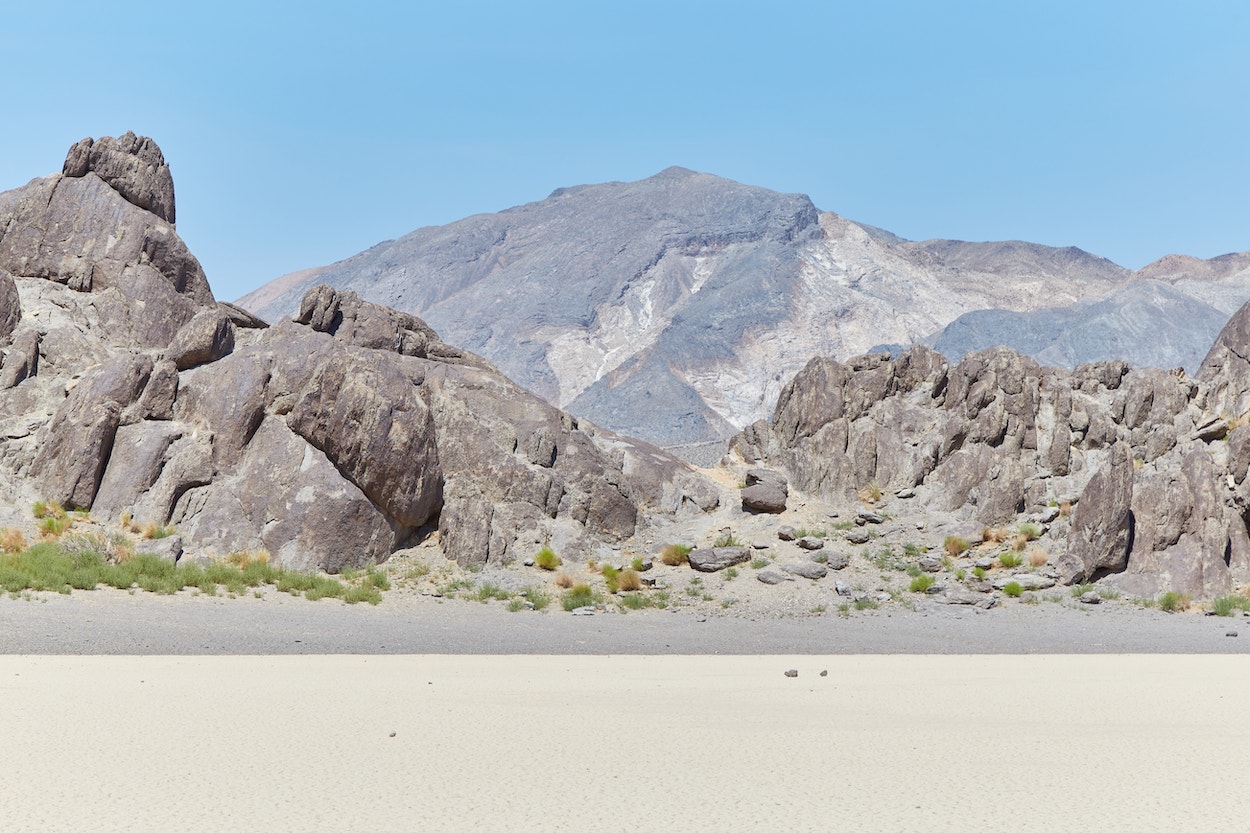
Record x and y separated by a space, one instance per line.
624 743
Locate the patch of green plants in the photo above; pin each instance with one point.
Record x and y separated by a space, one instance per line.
960 575
611 578
914 550
660 599
819 609
759 563
866 604
979 573
1081 589
579 595
1010 559
1031 531
1229 605
843 526
515 605
730 573
636 564
635 601
914 570
804 532
726 539
1173 602
537 597
546 559
921 583
487 591
1013 589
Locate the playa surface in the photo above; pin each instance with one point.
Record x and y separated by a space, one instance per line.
624 743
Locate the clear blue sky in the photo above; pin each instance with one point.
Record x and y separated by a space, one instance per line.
301 133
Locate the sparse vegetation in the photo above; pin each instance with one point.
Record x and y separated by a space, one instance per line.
955 545
1010 560
759 563
563 579
1031 531
869 494
1229 605
579 595
635 601
914 550
537 597
674 555
611 578
866 604
920 584
546 559
979 573
1173 602
156 531
730 574
1036 556
629 580
726 539
12 541
1065 508
1013 589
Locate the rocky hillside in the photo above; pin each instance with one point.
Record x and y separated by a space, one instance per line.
1153 462
674 308
329 440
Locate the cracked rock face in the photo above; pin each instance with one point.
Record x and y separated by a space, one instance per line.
328 441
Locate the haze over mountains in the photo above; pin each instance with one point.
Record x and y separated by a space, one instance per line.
674 308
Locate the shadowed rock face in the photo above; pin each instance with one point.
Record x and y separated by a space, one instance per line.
1160 499
328 441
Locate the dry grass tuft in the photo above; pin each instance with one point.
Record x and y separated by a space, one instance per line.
674 555
12 541
1019 542
869 494
1036 556
955 545
629 580
242 559
1065 508
995 536
564 580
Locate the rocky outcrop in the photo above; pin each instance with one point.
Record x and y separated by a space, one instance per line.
132 165
328 441
996 439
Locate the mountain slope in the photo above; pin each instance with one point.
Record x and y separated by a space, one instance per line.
675 307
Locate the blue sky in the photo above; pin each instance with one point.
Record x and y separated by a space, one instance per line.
301 133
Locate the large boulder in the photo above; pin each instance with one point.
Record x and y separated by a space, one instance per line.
10 307
1102 525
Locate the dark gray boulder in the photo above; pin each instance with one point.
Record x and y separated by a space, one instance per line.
207 337
764 498
132 165
807 569
1102 524
10 307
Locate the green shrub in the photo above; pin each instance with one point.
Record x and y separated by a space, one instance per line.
546 559
537 597
579 595
727 539
759 563
979 572
730 574
1031 531
1010 559
1229 605
1013 589
636 564
1171 601
865 604
920 584
629 579
635 601
611 577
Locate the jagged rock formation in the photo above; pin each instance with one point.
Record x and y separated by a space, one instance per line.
1161 499
674 308
329 440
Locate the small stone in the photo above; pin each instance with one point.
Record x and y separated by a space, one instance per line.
588 610
793 672
786 533
392 734
759 544
985 562
869 517
529 562
905 493
1048 515
1027 581
770 577
811 542
1230 633
1090 598
646 564
824 673
841 589
807 569
930 563
857 536
838 561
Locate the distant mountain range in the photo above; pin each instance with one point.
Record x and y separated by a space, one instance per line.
675 308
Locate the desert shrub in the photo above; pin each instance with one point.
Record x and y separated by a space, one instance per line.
1065 508
759 563
994 536
157 531
12 541
1173 602
636 564
546 559
674 555
579 595
629 580
955 545
563 579
537 597
611 578
1030 531
1010 559
1229 605
1036 556
866 604
48 509
920 584
726 539
54 526
487 591
730 573
870 493
362 593
635 601
979 573
914 550
1013 589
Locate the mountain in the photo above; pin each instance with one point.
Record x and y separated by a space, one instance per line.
675 307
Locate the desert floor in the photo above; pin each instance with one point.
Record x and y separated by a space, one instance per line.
154 713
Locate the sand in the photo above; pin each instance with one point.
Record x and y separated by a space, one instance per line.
624 743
